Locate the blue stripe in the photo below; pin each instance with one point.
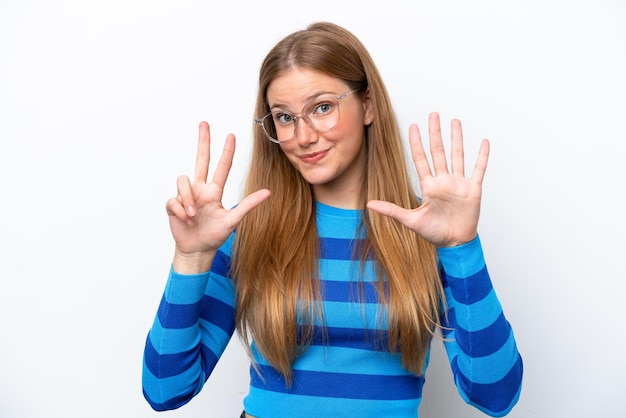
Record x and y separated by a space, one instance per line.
176 390
464 260
336 270
339 291
172 315
484 342
221 288
174 403
480 315
208 360
262 403
172 340
337 248
357 338
349 360
482 369
340 385
214 337
221 264
495 398
347 271
335 222
185 289
350 315
218 313
450 324
470 289
168 365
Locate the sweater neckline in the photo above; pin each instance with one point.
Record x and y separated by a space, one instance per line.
323 209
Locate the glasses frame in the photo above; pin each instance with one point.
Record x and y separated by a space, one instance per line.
259 121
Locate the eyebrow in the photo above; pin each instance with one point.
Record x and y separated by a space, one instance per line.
309 99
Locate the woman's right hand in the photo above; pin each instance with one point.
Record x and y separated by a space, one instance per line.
198 221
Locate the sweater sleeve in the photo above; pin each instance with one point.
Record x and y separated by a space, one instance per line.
193 325
479 341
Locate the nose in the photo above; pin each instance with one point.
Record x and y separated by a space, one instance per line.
303 133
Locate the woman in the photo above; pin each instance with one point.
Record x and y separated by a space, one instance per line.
335 275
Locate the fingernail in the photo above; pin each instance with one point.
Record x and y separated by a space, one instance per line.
191 211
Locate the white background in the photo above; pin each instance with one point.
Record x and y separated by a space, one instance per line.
99 106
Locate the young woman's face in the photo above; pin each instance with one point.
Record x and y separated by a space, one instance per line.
333 162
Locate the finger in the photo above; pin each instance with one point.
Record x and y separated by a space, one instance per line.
481 163
392 210
203 154
225 163
174 207
436 144
457 158
248 203
417 151
185 195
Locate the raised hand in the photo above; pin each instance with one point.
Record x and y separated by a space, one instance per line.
450 206
198 221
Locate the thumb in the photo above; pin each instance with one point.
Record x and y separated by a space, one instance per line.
248 203
392 210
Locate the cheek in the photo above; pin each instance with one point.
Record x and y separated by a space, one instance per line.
350 129
288 150
352 121
287 147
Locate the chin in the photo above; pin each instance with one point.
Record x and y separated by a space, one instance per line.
316 181
317 177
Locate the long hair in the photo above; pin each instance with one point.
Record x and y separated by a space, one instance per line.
276 250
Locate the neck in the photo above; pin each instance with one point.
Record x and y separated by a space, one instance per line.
344 198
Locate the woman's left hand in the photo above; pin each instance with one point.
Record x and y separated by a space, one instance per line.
448 215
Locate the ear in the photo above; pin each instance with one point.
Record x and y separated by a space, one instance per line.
368 107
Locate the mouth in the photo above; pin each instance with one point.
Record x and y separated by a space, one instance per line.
313 157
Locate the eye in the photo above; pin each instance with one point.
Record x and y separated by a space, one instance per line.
322 109
282 118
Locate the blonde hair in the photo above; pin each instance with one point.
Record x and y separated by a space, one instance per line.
276 251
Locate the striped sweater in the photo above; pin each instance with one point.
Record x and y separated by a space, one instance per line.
351 373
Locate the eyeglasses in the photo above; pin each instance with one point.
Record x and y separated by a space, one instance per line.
321 114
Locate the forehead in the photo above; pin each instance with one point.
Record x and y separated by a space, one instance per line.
298 85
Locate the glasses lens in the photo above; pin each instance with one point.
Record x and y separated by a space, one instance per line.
322 115
267 124
280 125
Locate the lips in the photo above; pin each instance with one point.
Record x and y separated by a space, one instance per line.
313 157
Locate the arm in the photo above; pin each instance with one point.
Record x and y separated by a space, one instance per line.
479 341
193 325
485 362
196 317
